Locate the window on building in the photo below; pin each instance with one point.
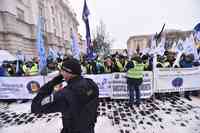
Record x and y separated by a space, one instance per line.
41 8
65 16
20 1
54 22
45 25
52 10
55 31
20 14
41 11
25 2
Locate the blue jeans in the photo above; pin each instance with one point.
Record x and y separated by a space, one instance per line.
133 88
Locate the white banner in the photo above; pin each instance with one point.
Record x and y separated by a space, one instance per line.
104 82
119 86
110 85
20 87
177 79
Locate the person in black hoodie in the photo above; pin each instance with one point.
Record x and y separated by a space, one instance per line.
78 101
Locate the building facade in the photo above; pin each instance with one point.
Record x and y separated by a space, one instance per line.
137 43
119 51
18 25
82 45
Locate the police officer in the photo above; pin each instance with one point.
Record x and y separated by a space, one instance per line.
78 101
134 80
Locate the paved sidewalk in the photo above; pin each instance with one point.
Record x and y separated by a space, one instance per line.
166 115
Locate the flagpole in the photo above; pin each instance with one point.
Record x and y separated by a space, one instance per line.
157 37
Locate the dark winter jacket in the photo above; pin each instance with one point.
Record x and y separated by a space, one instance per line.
78 103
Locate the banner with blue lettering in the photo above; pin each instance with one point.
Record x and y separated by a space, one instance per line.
177 79
104 82
119 86
20 87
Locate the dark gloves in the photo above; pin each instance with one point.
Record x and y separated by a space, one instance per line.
48 88
57 80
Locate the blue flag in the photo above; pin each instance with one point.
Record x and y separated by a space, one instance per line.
85 15
40 44
86 12
75 47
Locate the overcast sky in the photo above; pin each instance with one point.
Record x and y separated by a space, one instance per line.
125 18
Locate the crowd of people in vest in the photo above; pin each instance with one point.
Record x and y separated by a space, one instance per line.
27 68
100 65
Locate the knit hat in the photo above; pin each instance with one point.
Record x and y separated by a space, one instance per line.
72 66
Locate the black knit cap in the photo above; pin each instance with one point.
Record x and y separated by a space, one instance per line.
72 66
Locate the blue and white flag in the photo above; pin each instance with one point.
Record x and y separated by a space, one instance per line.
188 46
145 51
52 54
153 45
197 31
179 46
179 49
161 47
192 49
40 44
75 47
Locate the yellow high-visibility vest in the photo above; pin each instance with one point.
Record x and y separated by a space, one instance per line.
137 71
34 70
121 68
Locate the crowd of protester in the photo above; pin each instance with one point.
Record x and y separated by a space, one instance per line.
98 65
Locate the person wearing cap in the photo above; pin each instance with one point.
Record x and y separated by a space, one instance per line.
135 69
78 101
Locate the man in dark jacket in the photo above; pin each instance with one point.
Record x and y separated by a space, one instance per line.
78 101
